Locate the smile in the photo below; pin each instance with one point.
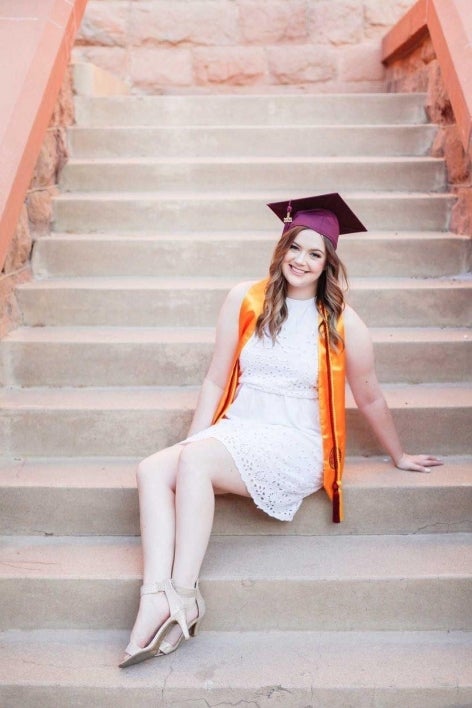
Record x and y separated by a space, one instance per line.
298 271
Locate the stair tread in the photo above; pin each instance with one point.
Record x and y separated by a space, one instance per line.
247 662
462 280
120 472
270 160
428 395
222 195
198 127
255 558
193 335
223 235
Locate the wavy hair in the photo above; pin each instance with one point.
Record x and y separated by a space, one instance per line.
329 295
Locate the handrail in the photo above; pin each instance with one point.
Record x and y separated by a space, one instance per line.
35 45
449 24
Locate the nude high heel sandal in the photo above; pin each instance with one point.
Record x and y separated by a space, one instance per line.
188 596
177 615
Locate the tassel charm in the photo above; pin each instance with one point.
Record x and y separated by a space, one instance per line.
288 219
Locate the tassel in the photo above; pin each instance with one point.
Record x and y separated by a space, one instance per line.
337 503
288 219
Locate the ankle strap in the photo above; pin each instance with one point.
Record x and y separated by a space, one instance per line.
150 589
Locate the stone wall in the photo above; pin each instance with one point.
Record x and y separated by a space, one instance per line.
229 45
36 215
420 71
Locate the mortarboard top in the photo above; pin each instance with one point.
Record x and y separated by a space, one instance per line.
327 214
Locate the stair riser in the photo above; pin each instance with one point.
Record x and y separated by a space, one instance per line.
199 308
393 604
110 512
57 257
339 176
125 214
306 141
174 364
138 433
248 110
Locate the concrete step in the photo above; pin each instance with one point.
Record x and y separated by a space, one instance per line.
420 174
394 582
214 211
260 140
84 496
233 109
173 356
128 421
195 302
409 254
291 669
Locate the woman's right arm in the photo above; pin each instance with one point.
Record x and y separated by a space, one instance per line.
227 335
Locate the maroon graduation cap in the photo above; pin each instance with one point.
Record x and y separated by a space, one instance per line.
327 214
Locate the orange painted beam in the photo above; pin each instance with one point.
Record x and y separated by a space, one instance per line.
36 38
449 24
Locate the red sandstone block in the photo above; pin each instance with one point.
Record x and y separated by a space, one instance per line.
411 72
438 105
20 247
104 24
45 169
39 206
448 144
461 217
64 111
302 64
10 313
272 22
362 63
340 22
112 59
237 66
169 22
151 68
380 15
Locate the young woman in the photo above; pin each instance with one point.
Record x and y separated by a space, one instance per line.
269 422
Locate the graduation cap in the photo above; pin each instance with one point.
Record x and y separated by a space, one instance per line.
327 214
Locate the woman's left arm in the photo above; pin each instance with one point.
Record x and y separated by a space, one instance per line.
360 372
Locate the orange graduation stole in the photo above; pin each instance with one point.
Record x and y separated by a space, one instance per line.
330 392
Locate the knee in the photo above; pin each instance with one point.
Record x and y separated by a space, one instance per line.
153 469
191 465
159 469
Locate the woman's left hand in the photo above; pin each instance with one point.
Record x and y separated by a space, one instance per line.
418 463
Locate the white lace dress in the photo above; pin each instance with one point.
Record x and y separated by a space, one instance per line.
272 428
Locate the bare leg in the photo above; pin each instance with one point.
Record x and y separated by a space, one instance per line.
156 478
205 468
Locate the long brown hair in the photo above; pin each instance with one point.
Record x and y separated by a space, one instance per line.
329 293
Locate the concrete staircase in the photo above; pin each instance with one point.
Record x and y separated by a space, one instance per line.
161 210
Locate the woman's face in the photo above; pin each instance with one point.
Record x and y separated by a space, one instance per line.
303 264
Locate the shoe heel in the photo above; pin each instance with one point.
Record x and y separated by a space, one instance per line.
182 620
195 628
